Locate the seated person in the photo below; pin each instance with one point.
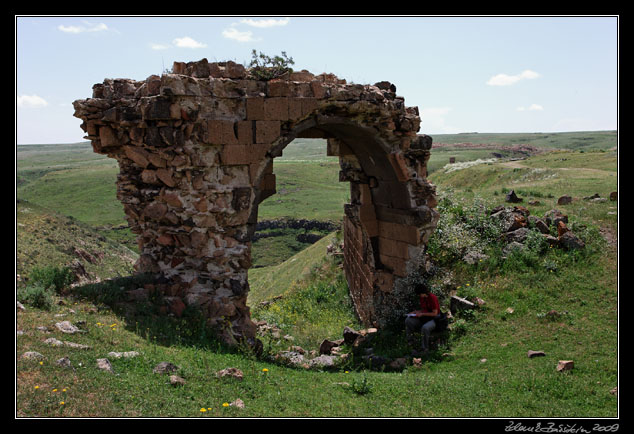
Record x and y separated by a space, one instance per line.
422 320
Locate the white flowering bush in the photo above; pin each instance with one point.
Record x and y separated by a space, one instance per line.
463 232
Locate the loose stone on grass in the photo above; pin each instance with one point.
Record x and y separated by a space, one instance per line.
165 368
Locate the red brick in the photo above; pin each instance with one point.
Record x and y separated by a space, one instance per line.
276 109
395 231
221 132
245 132
309 105
267 131
236 154
319 89
400 166
294 108
242 154
278 88
397 265
255 109
394 248
268 182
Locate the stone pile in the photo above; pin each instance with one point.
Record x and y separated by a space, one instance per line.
517 222
195 149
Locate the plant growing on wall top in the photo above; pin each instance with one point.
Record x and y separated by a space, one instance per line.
264 67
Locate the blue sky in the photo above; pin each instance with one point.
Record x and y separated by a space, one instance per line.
470 73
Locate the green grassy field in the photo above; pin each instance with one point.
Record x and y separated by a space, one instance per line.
581 140
482 371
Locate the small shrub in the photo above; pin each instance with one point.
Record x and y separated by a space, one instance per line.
52 277
264 67
36 295
361 386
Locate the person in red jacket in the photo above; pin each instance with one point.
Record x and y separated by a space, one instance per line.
422 320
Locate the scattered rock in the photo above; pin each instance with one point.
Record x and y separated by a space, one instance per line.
613 196
513 245
64 362
553 217
532 354
57 343
594 196
19 306
542 226
458 303
565 365
570 241
237 403
564 200
398 364
125 354
175 380
290 357
350 335
32 355
230 372
327 346
561 228
54 342
513 198
104 365
322 361
518 235
473 257
614 391
67 327
165 368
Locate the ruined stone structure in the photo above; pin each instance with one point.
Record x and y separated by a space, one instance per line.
195 149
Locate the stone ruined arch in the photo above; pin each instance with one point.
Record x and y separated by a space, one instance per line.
196 150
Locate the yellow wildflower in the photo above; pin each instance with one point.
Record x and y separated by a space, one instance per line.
265 370
202 410
225 404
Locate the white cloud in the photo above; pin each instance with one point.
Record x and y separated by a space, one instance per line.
187 42
233 33
31 101
159 46
87 27
271 22
532 107
507 80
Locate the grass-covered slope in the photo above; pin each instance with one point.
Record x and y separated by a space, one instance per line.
564 303
46 238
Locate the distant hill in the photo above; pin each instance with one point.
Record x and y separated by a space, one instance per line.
578 140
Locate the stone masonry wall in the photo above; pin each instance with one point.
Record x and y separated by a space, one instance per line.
195 149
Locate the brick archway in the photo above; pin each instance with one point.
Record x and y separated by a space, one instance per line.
196 150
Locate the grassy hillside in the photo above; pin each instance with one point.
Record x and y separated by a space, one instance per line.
46 238
580 140
564 303
269 282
